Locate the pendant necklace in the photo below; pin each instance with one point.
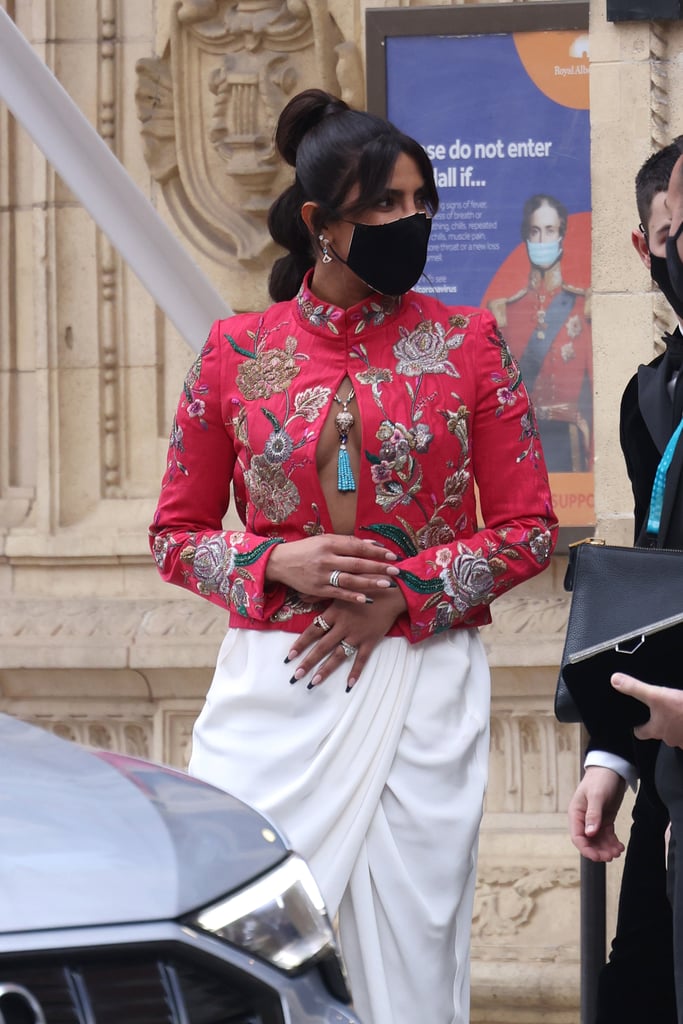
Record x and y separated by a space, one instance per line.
343 421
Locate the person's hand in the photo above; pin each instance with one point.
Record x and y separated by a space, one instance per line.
666 709
359 627
307 565
674 201
592 813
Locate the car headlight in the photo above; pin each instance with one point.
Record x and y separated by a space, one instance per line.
281 917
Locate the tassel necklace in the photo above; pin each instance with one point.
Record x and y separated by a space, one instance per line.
343 421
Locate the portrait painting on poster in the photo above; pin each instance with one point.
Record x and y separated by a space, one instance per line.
498 95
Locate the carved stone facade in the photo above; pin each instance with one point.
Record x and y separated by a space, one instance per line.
210 104
92 644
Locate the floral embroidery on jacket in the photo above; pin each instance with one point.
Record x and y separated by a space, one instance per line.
511 380
218 566
466 581
468 576
270 371
425 350
395 468
270 490
374 312
196 407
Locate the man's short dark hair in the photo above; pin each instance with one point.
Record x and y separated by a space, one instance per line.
533 203
653 177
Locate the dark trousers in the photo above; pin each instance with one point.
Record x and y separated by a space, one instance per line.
637 984
670 786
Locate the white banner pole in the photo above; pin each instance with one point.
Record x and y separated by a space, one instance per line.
89 168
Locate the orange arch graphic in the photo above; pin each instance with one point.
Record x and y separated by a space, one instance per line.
558 64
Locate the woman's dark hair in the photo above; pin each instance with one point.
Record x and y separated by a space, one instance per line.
332 148
533 203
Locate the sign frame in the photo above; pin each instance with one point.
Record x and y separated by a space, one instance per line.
384 24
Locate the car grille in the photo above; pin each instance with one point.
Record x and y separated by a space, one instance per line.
142 989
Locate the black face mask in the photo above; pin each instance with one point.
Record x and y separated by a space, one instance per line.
659 272
390 258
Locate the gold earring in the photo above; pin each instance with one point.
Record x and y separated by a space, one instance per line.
324 242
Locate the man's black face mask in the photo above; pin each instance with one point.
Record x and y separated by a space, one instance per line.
671 285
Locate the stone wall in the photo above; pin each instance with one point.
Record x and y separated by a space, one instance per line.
92 644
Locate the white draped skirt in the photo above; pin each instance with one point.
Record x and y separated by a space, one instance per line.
380 789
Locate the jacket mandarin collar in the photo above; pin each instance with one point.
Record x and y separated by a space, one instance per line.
333 322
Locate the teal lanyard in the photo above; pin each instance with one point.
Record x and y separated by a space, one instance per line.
658 487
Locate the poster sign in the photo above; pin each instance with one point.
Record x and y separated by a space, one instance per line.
504 118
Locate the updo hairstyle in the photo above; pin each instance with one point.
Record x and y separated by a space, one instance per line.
332 148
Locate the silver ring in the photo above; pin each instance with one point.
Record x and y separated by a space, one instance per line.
334 578
322 623
348 649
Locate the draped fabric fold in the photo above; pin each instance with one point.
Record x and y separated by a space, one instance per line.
381 789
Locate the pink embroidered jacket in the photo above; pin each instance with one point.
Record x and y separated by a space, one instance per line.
441 404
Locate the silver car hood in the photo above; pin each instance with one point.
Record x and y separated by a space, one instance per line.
91 838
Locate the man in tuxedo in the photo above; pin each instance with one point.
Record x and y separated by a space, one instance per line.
665 703
637 984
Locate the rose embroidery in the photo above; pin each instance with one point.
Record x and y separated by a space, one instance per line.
425 350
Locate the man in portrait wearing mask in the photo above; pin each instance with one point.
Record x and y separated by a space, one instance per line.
547 325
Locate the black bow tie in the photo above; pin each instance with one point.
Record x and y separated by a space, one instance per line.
674 348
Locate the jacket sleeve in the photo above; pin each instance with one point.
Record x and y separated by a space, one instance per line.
447 584
187 538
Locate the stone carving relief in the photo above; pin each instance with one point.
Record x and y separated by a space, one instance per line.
123 734
507 897
209 107
533 762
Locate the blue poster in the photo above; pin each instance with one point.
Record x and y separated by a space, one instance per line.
505 121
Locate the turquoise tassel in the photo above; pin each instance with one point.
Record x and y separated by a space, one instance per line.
343 422
345 481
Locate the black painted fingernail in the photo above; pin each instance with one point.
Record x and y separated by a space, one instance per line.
293 680
286 661
309 686
392 584
348 689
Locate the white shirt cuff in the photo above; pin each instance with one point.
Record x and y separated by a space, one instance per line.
620 765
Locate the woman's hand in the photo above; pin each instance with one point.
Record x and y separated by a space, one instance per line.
309 565
354 632
666 709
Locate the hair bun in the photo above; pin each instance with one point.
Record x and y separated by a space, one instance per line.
306 110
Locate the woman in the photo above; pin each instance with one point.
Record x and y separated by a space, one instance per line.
352 418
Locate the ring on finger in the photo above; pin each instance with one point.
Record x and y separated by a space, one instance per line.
334 577
348 649
322 623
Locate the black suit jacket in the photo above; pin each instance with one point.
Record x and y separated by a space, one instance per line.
647 420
